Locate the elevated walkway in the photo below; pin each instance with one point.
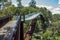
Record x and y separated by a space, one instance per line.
8 29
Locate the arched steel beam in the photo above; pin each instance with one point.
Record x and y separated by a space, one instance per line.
32 26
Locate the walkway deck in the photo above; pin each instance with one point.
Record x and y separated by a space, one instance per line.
8 30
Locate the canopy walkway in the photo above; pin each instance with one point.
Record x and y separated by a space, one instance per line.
15 28
29 16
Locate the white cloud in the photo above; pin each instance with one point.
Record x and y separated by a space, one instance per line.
14 4
54 10
48 7
26 5
59 2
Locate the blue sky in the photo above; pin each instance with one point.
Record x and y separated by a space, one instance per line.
53 3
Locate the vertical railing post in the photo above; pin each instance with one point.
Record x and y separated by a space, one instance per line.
20 32
22 28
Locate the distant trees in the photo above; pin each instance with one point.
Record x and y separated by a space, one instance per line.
52 32
7 9
18 9
32 3
19 3
56 17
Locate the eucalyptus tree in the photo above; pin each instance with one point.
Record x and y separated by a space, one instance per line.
32 3
18 9
19 3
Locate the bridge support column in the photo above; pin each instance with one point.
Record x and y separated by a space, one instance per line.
19 33
31 29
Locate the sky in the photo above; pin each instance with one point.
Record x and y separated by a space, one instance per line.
39 2
52 5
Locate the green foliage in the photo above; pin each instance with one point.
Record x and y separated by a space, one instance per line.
56 23
8 9
57 37
26 26
51 33
46 13
47 34
56 17
32 3
3 0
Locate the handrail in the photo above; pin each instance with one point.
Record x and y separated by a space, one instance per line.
30 16
1 18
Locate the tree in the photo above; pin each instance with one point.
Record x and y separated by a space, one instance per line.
32 3
19 4
2 2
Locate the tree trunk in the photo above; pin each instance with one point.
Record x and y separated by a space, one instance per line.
31 29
